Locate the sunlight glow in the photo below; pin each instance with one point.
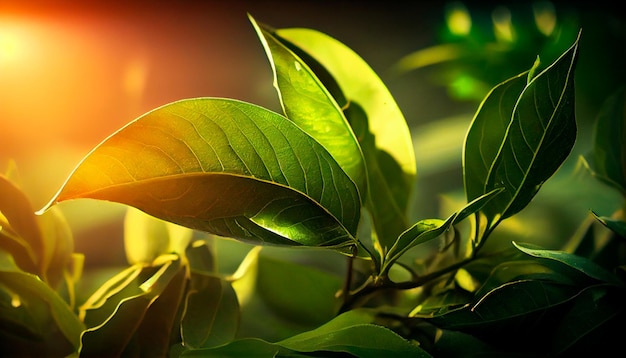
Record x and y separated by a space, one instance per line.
458 19
14 42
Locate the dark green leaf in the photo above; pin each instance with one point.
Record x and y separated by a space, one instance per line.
582 264
346 333
226 167
616 225
308 103
39 301
211 316
246 347
609 151
520 136
510 301
117 333
592 308
297 292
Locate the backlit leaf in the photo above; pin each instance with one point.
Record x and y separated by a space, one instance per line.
227 167
308 103
385 137
520 136
359 83
147 237
19 231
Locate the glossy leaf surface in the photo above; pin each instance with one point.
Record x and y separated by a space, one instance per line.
308 103
359 83
520 136
226 167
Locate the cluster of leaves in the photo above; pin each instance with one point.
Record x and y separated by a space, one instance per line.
333 175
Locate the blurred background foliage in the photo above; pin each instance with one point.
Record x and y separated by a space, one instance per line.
72 73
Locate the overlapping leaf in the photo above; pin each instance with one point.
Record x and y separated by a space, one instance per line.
520 136
385 125
308 103
609 148
226 167
135 312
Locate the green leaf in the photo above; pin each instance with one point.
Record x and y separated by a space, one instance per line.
147 237
348 333
429 229
609 151
520 136
360 84
211 315
510 301
388 193
376 119
591 309
245 347
227 167
39 301
125 329
58 246
19 231
582 264
297 292
308 103
615 225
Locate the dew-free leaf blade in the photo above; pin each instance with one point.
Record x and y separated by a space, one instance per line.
125 325
226 167
582 264
308 103
211 316
539 133
37 297
609 151
359 83
19 234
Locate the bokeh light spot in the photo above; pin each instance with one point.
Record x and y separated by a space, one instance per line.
458 19
545 17
503 27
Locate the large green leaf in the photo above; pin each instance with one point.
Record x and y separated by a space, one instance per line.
308 103
520 136
582 264
226 167
609 151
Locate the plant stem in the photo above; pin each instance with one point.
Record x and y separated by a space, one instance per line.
361 296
